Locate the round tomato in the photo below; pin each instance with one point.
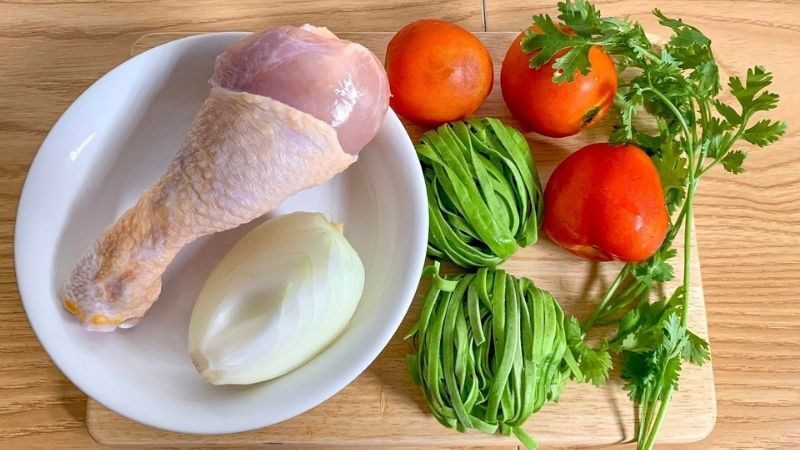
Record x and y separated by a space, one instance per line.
554 109
606 202
438 72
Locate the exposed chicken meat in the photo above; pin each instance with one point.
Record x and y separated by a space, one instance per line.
309 68
244 155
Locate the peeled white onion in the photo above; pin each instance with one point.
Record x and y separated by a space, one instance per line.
281 295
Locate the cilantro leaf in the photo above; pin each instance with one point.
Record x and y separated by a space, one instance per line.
764 132
670 374
706 78
656 269
640 329
731 116
594 363
632 343
692 50
696 350
630 321
715 134
648 143
575 60
765 102
673 169
629 105
674 335
712 145
580 16
685 35
551 39
582 26
757 79
750 95
652 355
639 341
733 161
676 299
637 374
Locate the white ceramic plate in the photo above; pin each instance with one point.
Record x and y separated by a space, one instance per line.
107 148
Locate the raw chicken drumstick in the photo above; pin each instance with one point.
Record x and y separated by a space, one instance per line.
289 109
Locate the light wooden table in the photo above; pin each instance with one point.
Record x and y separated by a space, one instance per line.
748 225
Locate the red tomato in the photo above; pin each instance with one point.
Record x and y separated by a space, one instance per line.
606 202
438 72
553 109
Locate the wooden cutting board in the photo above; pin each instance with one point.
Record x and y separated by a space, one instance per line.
383 408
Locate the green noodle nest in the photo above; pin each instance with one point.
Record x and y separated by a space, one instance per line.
490 349
484 194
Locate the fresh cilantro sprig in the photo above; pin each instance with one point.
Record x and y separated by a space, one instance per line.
678 84
594 363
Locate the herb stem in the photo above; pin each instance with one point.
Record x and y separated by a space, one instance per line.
644 405
700 161
704 114
651 429
631 294
692 181
682 120
610 293
662 411
623 297
694 118
676 226
649 415
687 246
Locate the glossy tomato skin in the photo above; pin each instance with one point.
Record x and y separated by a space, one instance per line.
551 109
606 202
438 72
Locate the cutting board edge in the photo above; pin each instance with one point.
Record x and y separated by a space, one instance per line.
94 409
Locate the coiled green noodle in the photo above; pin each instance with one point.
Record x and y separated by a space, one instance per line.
484 194
490 350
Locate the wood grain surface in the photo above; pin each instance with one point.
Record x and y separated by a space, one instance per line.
748 225
383 408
